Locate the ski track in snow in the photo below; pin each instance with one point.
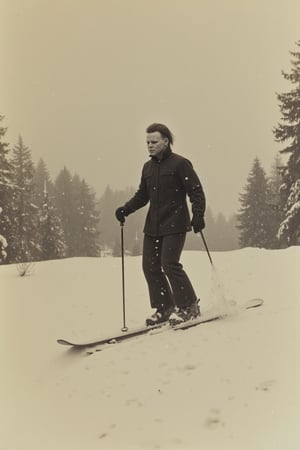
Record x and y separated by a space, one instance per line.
225 385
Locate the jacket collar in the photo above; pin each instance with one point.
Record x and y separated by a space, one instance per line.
166 153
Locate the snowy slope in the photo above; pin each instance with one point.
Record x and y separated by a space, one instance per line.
225 385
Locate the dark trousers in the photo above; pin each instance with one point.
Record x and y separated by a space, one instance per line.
167 281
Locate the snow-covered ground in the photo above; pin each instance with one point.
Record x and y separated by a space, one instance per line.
232 384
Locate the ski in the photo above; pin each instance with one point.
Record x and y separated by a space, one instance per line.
207 317
115 338
211 316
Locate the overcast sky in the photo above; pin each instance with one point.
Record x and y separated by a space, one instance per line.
82 79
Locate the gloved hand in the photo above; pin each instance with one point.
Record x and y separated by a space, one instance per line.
121 214
198 223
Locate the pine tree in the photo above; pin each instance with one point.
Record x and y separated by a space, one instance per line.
65 205
289 131
76 205
42 182
5 169
253 214
6 190
105 207
85 217
274 202
51 234
23 236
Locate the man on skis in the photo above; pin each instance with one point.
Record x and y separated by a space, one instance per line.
167 178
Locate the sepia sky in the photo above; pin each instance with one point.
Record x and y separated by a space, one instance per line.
80 80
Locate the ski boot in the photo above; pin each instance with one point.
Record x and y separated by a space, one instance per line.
185 313
162 314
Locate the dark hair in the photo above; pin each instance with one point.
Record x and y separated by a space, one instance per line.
162 129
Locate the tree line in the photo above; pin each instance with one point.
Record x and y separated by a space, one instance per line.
41 219
269 215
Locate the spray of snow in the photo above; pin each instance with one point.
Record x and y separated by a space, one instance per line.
222 302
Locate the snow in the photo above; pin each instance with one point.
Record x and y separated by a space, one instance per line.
3 241
232 384
3 246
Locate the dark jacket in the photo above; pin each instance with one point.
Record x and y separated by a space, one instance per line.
165 183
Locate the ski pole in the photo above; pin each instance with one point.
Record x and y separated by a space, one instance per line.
206 248
124 328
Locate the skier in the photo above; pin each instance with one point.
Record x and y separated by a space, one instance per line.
165 182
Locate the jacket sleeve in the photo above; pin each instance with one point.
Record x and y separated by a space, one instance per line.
139 199
193 187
